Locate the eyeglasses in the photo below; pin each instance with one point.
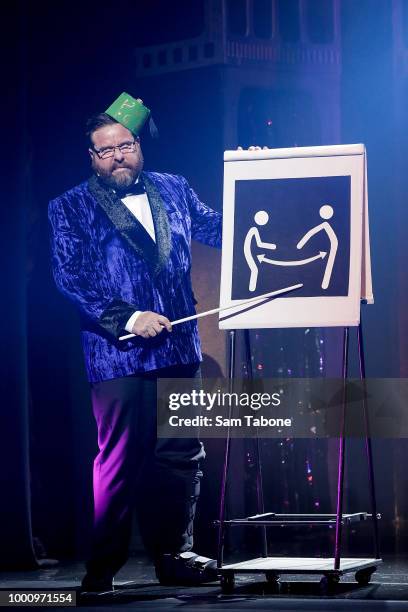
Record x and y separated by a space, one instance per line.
125 147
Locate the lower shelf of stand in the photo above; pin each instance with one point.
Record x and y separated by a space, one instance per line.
299 565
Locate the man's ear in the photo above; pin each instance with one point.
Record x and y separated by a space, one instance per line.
91 153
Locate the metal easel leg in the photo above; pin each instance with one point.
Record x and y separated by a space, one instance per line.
369 454
342 448
221 527
258 452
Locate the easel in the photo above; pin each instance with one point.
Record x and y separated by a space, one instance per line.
330 568
299 162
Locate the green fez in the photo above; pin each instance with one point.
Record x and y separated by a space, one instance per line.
128 111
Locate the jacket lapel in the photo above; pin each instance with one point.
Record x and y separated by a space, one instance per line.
155 253
161 222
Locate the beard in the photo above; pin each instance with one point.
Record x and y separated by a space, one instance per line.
121 176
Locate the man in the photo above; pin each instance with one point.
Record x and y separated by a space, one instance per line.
121 253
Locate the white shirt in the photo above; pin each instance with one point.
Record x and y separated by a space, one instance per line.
139 207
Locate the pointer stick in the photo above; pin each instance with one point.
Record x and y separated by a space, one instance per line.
214 310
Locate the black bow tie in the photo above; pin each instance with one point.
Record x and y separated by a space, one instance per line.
135 189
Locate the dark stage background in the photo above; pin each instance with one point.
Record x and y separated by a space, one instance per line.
338 77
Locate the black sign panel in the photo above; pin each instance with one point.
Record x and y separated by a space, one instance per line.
289 231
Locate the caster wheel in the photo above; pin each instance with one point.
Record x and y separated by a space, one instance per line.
363 576
329 582
271 577
227 583
273 583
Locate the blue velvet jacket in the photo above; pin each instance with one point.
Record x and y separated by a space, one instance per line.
107 264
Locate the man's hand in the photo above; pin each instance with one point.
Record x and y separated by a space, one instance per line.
148 324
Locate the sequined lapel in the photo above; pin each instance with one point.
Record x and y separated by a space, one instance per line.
161 223
155 253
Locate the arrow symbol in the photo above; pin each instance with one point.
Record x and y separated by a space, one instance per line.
299 262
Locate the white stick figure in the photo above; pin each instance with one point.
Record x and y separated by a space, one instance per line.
326 212
260 218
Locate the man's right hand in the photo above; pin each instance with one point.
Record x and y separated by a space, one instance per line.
148 324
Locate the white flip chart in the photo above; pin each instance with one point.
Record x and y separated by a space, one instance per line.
296 216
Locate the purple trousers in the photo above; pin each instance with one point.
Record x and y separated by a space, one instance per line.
134 469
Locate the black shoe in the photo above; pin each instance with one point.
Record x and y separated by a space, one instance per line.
94 585
185 569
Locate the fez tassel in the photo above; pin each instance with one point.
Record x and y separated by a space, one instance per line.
215 310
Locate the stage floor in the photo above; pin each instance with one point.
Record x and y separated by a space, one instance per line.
136 588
